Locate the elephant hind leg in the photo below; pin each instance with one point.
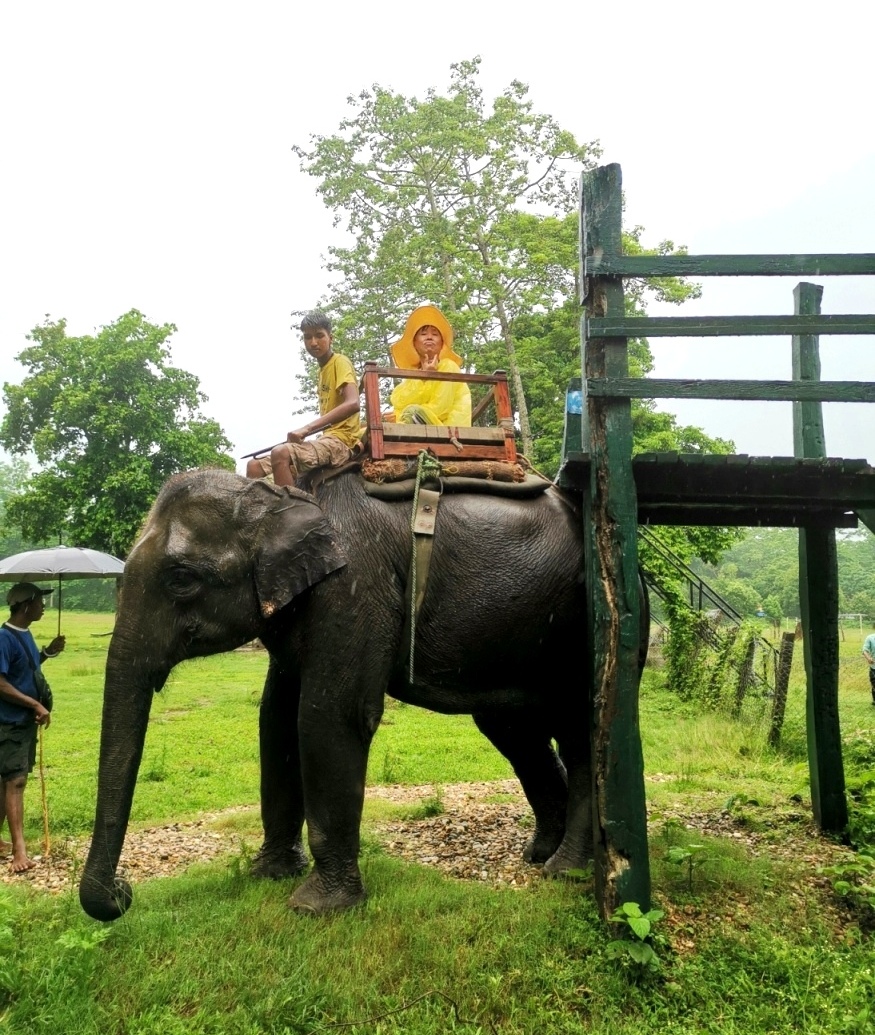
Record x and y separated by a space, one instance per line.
576 849
525 742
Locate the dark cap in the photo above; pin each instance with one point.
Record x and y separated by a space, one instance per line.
21 592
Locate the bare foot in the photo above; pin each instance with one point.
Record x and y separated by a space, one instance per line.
21 864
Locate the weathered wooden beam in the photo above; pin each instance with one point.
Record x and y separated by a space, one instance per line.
720 326
400 374
729 265
751 484
809 439
818 600
678 388
742 516
622 866
790 488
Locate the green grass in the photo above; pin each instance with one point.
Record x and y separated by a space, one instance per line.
747 946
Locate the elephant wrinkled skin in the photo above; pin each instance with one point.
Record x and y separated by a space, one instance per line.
223 560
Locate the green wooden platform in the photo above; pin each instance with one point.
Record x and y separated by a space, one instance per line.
741 490
619 492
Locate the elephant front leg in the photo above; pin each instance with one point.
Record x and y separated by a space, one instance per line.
334 757
282 797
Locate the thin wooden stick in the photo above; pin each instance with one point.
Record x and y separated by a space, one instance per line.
47 844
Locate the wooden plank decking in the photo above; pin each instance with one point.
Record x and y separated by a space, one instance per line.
736 489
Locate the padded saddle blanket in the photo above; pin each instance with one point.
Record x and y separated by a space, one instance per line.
396 478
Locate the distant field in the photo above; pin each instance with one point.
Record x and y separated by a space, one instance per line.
201 750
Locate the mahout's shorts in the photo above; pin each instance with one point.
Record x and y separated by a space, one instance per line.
17 749
325 451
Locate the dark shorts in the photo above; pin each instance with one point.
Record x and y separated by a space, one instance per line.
872 679
17 750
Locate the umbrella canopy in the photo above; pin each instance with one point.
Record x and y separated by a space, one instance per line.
60 562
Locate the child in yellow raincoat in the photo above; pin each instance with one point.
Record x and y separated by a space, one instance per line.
427 344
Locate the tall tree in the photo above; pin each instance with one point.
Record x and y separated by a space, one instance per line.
13 476
109 420
464 204
442 198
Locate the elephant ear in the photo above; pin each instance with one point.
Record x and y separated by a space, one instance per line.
295 548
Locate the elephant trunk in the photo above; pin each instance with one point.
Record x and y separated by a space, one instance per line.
126 704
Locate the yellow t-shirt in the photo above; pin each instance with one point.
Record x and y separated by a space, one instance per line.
336 373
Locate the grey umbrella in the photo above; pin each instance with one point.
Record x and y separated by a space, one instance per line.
60 562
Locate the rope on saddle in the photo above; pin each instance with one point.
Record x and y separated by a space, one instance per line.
427 466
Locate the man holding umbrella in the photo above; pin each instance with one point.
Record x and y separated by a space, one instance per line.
20 708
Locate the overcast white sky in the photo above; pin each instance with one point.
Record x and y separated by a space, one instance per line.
147 165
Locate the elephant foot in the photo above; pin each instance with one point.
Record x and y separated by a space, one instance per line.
568 859
541 847
277 863
315 897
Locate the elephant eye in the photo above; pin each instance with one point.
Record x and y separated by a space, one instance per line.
182 582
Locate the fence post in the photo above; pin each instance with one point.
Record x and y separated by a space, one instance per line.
818 598
745 675
622 867
782 681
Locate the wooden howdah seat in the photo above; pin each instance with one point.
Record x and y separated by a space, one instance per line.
387 439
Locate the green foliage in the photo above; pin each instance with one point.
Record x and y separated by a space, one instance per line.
13 477
764 569
635 949
471 206
772 607
861 819
703 663
77 594
855 879
109 420
686 650
432 193
689 855
429 807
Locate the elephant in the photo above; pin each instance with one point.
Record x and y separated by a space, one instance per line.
223 560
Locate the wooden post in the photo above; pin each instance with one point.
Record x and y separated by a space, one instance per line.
745 676
371 387
818 598
782 681
622 868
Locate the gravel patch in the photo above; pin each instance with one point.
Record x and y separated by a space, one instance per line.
479 836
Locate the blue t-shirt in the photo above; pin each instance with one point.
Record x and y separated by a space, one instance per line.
15 669
869 645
